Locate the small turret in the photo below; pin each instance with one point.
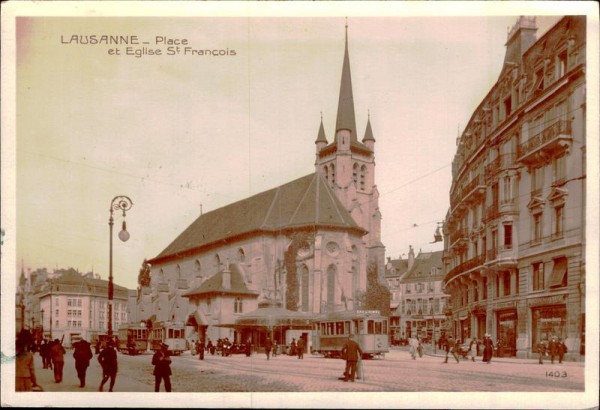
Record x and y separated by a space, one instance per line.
368 139
321 140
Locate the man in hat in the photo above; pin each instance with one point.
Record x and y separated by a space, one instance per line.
451 349
57 353
82 354
351 351
162 367
553 348
488 348
108 360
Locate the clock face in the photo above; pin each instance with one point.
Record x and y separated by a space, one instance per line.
333 248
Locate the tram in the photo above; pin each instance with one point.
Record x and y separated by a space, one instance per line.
133 339
170 333
369 328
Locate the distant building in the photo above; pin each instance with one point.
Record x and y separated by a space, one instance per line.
515 231
68 305
394 269
422 306
306 243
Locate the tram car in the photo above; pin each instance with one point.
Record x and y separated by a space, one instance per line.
133 339
369 328
171 333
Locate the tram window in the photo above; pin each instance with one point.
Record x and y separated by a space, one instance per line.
347 327
330 328
385 329
339 328
378 328
360 327
370 327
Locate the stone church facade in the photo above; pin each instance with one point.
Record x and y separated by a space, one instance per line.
306 243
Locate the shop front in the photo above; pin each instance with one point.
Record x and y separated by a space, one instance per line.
548 321
506 341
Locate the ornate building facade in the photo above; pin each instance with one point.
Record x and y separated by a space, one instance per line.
515 231
306 243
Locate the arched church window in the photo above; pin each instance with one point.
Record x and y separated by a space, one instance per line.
178 271
331 272
363 175
326 172
218 261
355 173
198 268
241 255
304 284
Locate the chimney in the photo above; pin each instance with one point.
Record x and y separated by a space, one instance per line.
226 283
411 257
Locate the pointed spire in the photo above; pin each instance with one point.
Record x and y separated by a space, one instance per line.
321 137
345 114
368 131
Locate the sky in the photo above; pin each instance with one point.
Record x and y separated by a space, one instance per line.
180 134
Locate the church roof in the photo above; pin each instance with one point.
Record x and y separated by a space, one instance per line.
304 202
214 284
345 115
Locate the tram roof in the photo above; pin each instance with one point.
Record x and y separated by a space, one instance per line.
348 315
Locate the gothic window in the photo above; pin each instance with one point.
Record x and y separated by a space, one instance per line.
304 284
241 255
331 273
238 306
218 261
178 271
198 267
355 173
326 172
363 175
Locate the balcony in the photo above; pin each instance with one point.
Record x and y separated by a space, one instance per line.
464 267
556 137
474 189
458 236
503 162
491 212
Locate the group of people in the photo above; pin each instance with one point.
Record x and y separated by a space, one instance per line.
555 348
415 347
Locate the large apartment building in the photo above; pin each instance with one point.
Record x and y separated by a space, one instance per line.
515 232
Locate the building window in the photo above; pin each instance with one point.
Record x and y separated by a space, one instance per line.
355 174
558 170
238 307
218 261
559 216
332 174
198 266
516 281
326 172
507 106
363 175
508 236
68 323
506 279
507 190
537 228
475 292
537 181
538 276
561 64
485 289
56 323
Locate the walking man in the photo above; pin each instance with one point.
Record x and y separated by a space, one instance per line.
488 348
541 350
108 360
24 368
553 348
300 348
414 344
561 349
451 348
162 367
351 351
82 354
200 346
268 347
57 354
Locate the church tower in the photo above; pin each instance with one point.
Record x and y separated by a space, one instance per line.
348 166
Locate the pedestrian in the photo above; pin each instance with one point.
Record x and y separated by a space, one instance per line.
413 345
275 347
108 360
82 354
210 347
162 367
553 348
24 367
268 347
561 349
473 348
351 351
248 347
419 347
488 348
293 347
541 351
45 353
300 348
200 349
57 354
451 349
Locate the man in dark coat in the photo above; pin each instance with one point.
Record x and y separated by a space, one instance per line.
268 347
553 348
57 353
351 351
488 348
300 348
200 346
561 349
108 360
162 367
82 354
45 353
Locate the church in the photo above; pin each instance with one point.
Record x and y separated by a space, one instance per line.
306 244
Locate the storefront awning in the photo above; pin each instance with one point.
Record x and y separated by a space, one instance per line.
558 272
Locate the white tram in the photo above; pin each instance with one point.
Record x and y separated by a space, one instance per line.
171 333
369 328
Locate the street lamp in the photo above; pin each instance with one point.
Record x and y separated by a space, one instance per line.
43 336
119 203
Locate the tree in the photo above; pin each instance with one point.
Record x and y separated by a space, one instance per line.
378 296
144 275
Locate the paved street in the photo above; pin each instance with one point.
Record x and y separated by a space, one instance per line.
396 373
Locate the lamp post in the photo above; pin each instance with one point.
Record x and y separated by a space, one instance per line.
43 336
119 203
